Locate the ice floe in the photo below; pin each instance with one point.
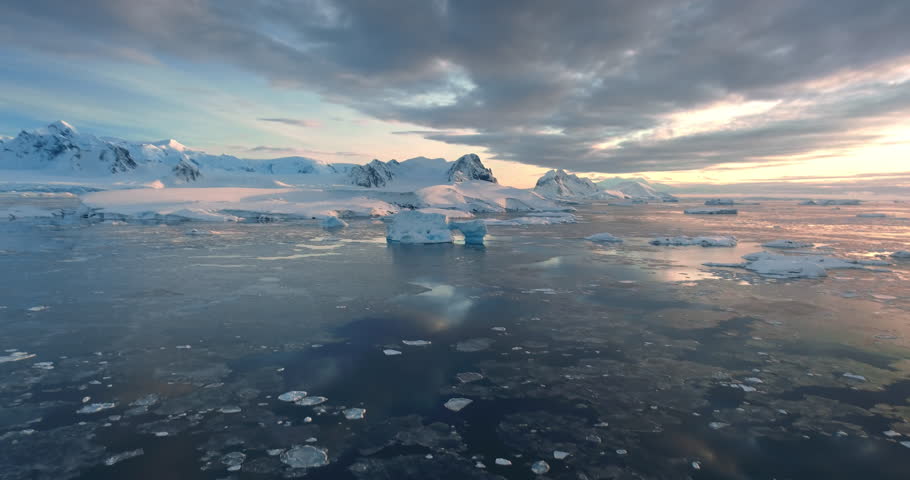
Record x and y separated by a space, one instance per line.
390 352
16 356
417 343
311 401
117 458
456 404
292 396
468 377
540 467
604 238
784 243
306 456
710 211
95 408
354 413
559 454
790 266
502 462
714 241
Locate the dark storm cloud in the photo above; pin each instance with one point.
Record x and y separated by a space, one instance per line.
516 72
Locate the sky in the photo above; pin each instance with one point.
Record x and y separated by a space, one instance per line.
793 92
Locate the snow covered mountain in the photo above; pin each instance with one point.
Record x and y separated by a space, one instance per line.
59 150
557 184
640 191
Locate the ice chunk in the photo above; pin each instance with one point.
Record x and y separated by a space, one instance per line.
332 221
715 241
95 408
559 455
540 467
456 404
891 433
711 211
292 396
718 425
782 243
473 230
622 451
310 401
39 308
416 343
498 329
906 444
855 377
115 459
418 227
390 352
305 456
233 460
468 377
603 237
43 365
354 413
503 462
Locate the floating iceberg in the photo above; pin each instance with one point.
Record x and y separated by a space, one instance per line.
715 241
603 237
418 227
781 243
354 413
473 230
292 396
711 211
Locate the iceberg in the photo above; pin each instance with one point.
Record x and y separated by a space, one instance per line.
331 221
473 230
715 241
418 227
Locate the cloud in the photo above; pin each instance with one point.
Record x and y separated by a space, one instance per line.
590 86
292 121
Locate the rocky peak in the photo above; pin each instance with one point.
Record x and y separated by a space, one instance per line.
469 167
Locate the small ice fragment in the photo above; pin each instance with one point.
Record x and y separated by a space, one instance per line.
782 243
696 465
86 399
906 443
416 343
146 401
389 352
95 408
114 459
855 377
292 396
354 413
184 347
307 419
230 409
891 433
480 465
718 425
498 329
602 425
468 377
44 365
754 380
38 308
161 434
311 440
310 401
503 462
621 451
306 456
540 467
456 404
559 455
274 452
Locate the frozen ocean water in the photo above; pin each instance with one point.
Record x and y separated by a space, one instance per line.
192 349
